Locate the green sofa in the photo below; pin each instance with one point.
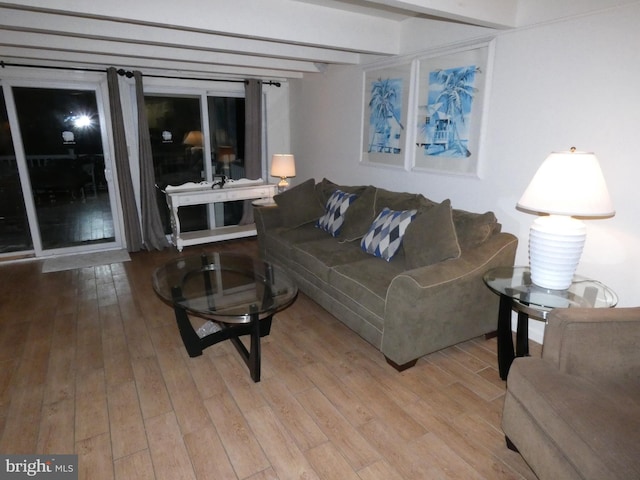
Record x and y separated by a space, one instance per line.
428 296
575 412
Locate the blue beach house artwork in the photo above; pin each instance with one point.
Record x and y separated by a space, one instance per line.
385 112
445 130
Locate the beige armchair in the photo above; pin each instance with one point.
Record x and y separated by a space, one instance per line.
575 412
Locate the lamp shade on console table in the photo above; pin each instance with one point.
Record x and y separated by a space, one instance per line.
567 185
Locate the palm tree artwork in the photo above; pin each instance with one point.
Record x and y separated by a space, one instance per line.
385 106
450 99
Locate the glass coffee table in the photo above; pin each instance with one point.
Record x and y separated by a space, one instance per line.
517 292
236 295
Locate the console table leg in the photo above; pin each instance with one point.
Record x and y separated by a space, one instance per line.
505 337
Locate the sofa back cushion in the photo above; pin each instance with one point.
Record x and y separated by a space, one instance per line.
473 229
359 217
399 201
325 188
431 238
299 205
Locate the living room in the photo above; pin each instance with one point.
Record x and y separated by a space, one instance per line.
562 75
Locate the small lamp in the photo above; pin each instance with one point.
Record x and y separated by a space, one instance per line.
567 184
193 138
283 165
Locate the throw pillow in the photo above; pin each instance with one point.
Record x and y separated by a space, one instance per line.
384 237
431 238
474 228
359 217
335 209
299 205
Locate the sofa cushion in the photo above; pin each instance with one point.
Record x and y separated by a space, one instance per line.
319 256
358 218
473 229
384 237
325 188
335 210
299 205
400 201
431 237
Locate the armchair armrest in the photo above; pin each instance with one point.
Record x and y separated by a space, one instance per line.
594 342
433 307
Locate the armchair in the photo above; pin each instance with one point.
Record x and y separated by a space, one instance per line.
575 412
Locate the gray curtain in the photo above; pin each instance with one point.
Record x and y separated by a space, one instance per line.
152 230
253 139
132 232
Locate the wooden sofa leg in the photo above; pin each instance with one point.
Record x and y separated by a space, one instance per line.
402 367
511 445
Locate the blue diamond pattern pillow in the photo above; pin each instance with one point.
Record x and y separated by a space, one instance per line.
335 209
385 233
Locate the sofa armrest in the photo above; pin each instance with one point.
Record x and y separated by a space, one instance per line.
266 218
433 307
594 342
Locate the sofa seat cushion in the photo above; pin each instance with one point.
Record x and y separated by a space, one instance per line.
366 282
320 256
583 418
282 238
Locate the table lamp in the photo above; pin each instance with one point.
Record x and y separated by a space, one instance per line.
283 165
567 185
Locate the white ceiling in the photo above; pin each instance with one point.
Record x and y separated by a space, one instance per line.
261 38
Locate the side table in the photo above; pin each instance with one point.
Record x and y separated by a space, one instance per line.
517 292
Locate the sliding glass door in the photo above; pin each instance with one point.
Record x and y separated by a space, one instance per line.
59 136
195 137
15 235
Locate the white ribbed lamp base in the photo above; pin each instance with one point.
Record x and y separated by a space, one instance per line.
555 246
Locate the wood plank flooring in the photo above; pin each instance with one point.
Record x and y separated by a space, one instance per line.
91 363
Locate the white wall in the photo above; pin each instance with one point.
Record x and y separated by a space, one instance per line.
566 83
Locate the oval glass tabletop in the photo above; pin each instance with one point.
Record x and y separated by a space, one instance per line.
516 283
226 287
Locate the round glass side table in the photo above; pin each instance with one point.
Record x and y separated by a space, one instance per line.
517 292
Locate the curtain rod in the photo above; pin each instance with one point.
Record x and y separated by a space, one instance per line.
129 74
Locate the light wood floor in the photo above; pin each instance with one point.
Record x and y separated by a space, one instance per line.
91 363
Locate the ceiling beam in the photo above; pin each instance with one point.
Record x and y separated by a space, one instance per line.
41 22
485 13
157 53
273 20
146 66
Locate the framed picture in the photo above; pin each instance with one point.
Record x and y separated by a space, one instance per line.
450 97
385 113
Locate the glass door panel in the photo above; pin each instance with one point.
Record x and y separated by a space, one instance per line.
15 235
177 145
62 140
226 128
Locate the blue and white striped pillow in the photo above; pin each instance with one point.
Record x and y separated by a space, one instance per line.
385 233
335 209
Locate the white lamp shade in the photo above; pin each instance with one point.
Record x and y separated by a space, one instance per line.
283 165
569 183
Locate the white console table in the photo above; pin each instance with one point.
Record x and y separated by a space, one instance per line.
179 197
